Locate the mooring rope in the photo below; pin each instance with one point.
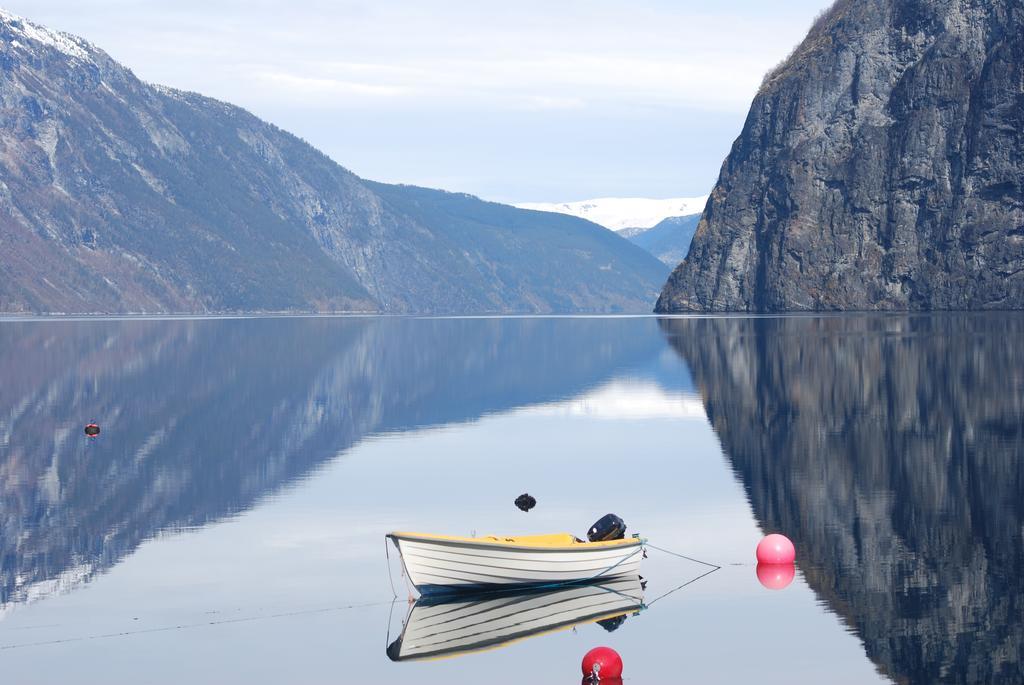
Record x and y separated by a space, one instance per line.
683 556
676 589
200 624
713 568
391 612
638 550
387 556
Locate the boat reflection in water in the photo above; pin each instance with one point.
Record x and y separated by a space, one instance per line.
456 625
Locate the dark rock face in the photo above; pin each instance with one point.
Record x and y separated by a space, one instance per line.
119 196
889 449
881 167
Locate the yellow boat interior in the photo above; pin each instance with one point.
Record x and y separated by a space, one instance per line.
548 541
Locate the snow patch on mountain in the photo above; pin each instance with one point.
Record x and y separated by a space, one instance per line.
620 213
72 46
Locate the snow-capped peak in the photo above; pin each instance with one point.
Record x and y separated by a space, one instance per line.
65 42
619 213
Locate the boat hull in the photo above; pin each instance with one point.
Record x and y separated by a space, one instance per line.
436 565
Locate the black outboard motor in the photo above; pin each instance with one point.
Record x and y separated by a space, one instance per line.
608 527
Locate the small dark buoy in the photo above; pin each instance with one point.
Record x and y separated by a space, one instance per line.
525 502
92 430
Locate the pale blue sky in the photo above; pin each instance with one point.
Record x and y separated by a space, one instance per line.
524 101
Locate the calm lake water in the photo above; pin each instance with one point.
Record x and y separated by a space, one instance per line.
227 525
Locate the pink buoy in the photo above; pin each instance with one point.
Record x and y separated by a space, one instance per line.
776 576
602 663
776 549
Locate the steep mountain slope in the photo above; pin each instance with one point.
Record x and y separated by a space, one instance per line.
670 240
120 196
880 167
623 214
502 238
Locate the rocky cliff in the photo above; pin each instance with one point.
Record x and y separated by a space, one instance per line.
120 196
881 167
889 449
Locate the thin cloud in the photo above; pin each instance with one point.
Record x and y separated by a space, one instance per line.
530 100
553 81
328 86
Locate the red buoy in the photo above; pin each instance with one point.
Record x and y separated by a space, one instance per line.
602 663
92 430
775 549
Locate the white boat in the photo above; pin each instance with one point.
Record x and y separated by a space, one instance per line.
444 563
460 624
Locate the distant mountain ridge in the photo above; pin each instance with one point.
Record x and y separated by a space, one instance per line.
670 240
664 228
120 196
623 213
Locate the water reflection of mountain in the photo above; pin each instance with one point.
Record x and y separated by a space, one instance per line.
892 450
202 418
